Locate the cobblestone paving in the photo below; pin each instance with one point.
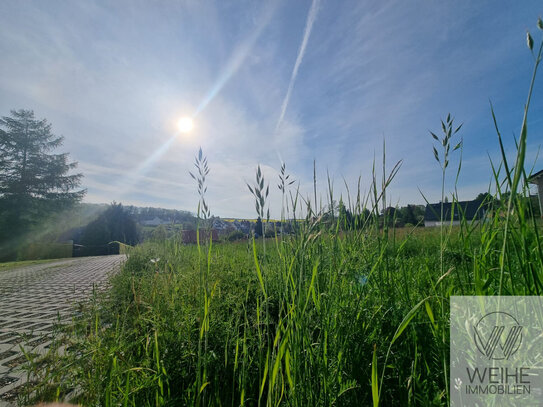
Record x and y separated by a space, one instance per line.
32 298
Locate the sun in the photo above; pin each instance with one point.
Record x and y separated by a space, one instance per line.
185 124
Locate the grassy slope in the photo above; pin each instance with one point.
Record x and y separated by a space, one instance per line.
17 264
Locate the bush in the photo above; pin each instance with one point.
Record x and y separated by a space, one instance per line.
236 235
115 224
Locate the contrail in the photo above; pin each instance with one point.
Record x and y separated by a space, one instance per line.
239 56
311 16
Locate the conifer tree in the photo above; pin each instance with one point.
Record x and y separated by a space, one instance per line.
35 181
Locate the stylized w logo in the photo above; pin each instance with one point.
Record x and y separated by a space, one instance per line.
503 335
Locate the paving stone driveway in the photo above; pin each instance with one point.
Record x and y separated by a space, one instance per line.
31 299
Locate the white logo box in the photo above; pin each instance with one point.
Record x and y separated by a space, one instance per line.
496 351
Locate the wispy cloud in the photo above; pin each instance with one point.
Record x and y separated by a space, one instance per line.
239 55
311 17
116 78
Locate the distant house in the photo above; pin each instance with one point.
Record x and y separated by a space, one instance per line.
390 212
156 221
470 210
220 224
537 179
243 226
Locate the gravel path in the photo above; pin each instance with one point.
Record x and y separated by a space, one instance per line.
31 300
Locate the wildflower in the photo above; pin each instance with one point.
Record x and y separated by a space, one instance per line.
155 262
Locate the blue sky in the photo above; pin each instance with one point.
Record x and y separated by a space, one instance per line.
270 81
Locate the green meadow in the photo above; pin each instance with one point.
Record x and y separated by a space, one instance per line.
344 310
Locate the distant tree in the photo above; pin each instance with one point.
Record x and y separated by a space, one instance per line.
406 215
235 235
534 208
487 200
390 215
390 211
34 181
258 227
114 224
409 215
344 215
364 217
333 208
483 196
419 211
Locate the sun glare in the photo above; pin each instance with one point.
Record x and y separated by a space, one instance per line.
185 124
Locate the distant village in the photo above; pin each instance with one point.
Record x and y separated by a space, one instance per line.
430 215
98 229
219 224
231 229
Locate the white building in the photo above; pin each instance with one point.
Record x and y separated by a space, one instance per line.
156 221
537 179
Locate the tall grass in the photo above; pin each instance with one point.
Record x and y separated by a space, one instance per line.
345 311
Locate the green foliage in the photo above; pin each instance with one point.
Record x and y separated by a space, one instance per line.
124 248
236 235
34 181
16 264
258 227
114 224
